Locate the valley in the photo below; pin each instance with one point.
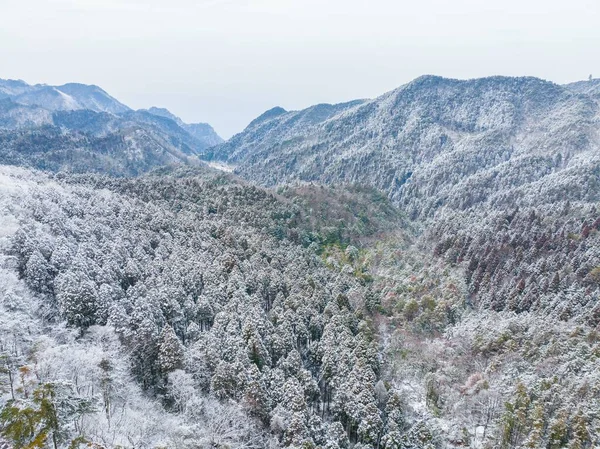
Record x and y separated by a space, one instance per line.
419 270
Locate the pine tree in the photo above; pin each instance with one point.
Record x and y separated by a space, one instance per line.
395 420
515 419
537 427
38 273
225 381
580 433
557 436
77 298
256 398
170 351
297 433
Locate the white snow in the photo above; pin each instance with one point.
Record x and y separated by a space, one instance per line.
228 168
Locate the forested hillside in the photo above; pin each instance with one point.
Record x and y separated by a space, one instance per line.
211 292
421 270
502 174
431 143
501 179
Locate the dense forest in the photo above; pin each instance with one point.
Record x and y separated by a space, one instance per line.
210 294
421 270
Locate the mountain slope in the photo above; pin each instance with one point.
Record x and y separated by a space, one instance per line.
67 97
278 130
14 115
87 141
10 88
193 281
80 128
590 87
93 98
201 131
125 152
484 167
430 140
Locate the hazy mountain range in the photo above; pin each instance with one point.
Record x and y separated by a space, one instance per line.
68 97
81 128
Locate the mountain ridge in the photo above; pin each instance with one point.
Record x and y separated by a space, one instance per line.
201 131
69 96
59 127
390 141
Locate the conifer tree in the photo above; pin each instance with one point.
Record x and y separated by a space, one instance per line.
170 351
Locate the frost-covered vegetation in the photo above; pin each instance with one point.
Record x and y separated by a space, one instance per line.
501 178
425 273
432 143
180 310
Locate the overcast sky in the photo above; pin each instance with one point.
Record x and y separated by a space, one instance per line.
227 61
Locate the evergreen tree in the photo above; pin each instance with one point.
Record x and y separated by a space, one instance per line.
170 351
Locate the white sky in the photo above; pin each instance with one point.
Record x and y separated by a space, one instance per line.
227 61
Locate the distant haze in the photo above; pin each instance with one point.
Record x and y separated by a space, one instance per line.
226 61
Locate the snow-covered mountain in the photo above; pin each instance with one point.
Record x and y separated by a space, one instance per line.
278 128
490 169
14 115
201 131
68 97
82 128
86 141
12 88
449 298
590 87
429 143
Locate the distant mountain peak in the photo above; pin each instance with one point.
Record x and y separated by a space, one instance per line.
463 129
80 127
67 97
267 115
164 112
11 88
80 86
203 132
